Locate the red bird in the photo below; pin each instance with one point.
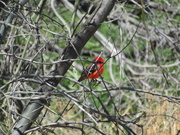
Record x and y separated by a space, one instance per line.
93 70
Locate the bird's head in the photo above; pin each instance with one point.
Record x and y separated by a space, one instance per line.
99 60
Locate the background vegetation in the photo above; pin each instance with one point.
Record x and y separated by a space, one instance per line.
139 92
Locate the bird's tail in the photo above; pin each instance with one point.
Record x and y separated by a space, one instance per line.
74 84
80 79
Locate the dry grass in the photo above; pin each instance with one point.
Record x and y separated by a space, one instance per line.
162 119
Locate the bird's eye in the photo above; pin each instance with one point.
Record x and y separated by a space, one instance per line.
98 61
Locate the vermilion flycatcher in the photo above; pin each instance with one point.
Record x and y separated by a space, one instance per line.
93 70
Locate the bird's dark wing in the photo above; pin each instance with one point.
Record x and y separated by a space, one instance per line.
91 68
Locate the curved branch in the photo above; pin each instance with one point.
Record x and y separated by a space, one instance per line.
10 19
